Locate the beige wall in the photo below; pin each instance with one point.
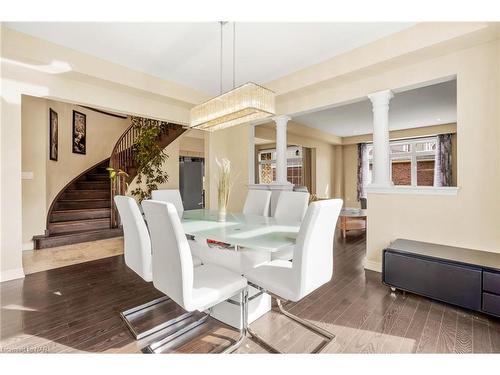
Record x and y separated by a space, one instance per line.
350 155
192 146
50 176
350 167
231 143
35 154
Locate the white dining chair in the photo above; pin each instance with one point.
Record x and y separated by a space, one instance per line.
194 289
291 206
257 202
171 196
312 264
137 254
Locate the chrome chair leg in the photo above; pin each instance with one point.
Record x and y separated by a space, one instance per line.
127 314
157 346
327 336
244 323
245 330
262 342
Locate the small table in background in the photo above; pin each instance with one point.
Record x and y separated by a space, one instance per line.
352 219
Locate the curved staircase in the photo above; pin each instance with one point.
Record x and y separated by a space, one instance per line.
81 212
84 209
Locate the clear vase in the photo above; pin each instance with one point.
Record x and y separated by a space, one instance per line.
221 214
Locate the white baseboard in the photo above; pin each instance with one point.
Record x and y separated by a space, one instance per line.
372 266
28 246
8 275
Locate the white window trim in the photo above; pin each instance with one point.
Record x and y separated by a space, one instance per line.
412 155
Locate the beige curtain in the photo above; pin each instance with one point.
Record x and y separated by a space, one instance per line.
306 169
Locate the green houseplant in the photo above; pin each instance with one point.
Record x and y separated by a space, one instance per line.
149 157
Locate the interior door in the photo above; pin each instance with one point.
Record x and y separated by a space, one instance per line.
191 182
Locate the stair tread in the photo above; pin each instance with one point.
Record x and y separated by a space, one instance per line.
100 219
91 231
101 182
83 199
76 210
79 232
80 190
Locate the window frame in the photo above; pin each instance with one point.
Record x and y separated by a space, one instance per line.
295 161
413 155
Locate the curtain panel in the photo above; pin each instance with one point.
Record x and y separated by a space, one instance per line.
442 168
362 170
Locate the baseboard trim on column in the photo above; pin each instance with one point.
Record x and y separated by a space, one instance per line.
28 246
372 266
7 275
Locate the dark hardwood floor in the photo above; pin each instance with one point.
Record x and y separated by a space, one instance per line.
76 309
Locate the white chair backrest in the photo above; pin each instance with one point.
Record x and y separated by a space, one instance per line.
257 202
137 243
313 254
170 196
292 205
172 260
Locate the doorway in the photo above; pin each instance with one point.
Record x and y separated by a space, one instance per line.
191 177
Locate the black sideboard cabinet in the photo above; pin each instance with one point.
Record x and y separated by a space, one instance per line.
462 277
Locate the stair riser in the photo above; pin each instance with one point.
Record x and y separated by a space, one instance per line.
97 177
92 185
44 243
79 215
76 205
86 194
83 225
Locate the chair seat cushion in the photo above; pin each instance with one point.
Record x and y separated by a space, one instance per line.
275 277
213 284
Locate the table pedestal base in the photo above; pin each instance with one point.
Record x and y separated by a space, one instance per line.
229 313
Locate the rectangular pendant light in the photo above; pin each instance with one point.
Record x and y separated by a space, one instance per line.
241 105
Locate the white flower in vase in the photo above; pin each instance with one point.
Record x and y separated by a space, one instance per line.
223 187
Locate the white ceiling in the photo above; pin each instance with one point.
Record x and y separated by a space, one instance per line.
430 105
188 53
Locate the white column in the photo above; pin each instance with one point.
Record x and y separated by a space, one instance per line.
381 151
251 154
281 146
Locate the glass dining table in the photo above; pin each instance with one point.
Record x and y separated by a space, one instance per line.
258 233
253 239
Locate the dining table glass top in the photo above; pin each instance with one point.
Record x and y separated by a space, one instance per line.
249 231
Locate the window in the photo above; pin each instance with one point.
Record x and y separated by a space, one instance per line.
412 161
267 165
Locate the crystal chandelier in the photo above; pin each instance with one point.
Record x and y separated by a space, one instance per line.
242 104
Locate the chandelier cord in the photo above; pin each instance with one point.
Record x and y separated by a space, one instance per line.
234 55
220 88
